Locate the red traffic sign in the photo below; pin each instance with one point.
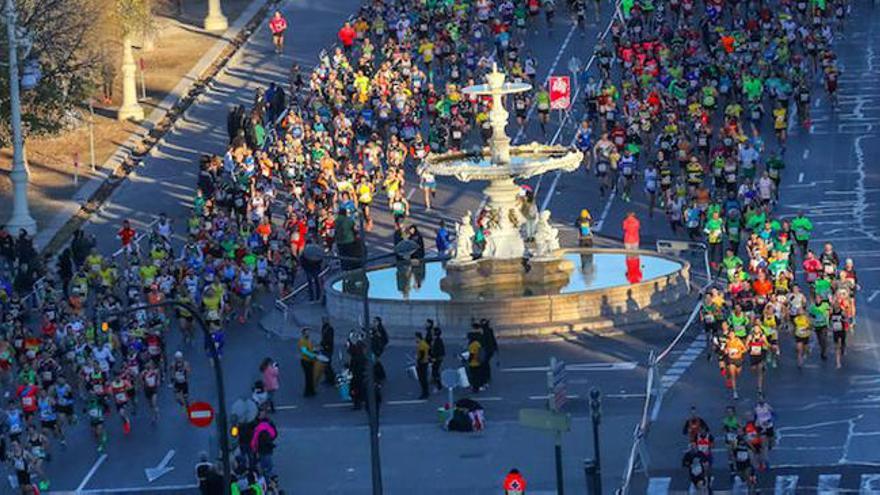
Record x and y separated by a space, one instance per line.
560 92
200 414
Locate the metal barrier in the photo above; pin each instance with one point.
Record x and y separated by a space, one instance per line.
666 246
638 456
38 292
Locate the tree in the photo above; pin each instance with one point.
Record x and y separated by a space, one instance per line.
61 35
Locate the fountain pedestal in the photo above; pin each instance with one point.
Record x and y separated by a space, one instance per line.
499 277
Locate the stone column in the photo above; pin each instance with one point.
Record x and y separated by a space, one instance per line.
215 21
130 109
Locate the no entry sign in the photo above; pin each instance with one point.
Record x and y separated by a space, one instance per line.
200 414
560 92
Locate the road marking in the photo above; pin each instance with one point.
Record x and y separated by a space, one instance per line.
286 408
870 484
786 485
545 397
91 472
337 404
873 295
829 484
806 155
801 175
659 486
549 195
410 193
618 366
624 396
605 211
139 489
406 402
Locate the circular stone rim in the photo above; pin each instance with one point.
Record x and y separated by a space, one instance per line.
685 267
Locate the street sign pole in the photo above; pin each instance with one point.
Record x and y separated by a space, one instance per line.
556 381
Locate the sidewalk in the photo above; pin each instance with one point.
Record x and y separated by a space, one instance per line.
183 55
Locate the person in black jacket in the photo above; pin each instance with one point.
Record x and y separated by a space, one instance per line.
65 269
438 353
7 247
326 345
490 347
415 236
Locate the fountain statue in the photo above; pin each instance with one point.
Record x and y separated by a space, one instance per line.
506 259
464 240
546 236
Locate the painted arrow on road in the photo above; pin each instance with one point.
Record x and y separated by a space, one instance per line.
162 469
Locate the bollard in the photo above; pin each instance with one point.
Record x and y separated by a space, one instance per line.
591 473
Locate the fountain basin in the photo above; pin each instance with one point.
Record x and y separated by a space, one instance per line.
603 283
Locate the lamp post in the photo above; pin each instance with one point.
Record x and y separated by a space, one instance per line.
403 249
21 216
596 415
130 109
215 20
222 422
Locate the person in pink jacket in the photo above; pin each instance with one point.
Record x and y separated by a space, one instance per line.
631 228
269 368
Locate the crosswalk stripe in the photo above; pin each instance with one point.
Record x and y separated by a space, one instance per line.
659 486
739 488
829 484
870 484
786 485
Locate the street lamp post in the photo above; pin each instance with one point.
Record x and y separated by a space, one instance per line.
596 414
403 249
222 422
21 216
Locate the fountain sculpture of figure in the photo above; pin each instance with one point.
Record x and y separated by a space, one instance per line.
464 245
546 237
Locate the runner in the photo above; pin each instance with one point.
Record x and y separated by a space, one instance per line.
278 26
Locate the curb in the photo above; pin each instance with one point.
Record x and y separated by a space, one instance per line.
89 198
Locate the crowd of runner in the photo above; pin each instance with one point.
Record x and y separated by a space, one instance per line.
680 100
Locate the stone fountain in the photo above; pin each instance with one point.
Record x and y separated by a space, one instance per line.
512 256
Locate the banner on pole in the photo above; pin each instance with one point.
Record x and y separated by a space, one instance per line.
560 92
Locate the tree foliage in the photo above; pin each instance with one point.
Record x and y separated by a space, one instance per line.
71 40
60 34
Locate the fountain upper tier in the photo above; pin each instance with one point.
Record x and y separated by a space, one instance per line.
525 161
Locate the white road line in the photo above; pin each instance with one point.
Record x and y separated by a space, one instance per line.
601 222
624 396
806 154
873 295
405 402
286 408
801 175
617 366
91 472
410 193
138 489
337 404
545 397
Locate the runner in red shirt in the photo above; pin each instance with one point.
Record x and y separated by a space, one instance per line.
126 235
631 228
347 35
278 26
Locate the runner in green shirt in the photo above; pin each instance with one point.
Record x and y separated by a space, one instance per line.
802 228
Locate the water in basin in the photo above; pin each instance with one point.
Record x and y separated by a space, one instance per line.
592 272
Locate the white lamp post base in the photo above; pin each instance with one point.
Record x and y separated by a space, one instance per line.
215 21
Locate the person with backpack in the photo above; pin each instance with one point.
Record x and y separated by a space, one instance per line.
262 443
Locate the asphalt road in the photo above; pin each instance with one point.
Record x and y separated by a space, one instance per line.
826 417
323 446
